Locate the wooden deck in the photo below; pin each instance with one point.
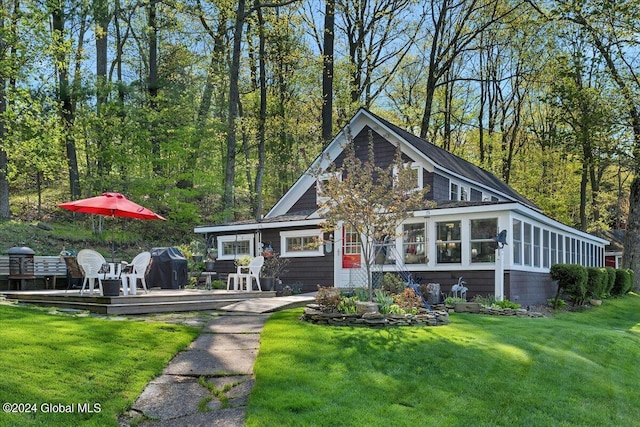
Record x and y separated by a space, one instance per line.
155 301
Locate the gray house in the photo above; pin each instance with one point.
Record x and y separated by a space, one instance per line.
437 245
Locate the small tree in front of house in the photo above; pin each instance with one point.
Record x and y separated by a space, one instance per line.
371 200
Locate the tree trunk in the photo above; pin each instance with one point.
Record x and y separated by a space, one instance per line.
234 97
5 212
262 117
66 99
327 72
153 84
101 15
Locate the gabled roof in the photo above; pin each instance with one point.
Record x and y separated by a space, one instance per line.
452 164
446 163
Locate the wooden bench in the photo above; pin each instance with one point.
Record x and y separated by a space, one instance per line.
48 268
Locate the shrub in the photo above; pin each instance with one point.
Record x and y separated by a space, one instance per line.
384 301
392 283
506 304
409 301
623 282
348 305
572 281
611 280
453 300
597 281
485 301
328 298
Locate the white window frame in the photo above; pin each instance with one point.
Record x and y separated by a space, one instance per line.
284 235
234 238
322 178
454 193
414 166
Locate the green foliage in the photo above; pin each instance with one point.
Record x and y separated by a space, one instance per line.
572 281
453 300
384 300
611 280
597 282
623 283
392 283
243 260
485 300
556 303
347 305
362 294
506 304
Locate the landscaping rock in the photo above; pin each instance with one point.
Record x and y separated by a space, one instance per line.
430 318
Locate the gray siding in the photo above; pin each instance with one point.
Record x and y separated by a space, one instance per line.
307 203
528 288
478 282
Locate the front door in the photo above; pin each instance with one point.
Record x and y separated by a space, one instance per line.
348 261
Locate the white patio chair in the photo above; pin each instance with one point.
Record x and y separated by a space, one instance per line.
138 268
254 268
91 263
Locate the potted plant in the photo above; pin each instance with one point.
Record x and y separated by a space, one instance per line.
273 267
212 255
196 250
110 286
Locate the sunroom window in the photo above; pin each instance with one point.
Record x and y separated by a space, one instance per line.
449 244
414 238
301 243
483 246
517 241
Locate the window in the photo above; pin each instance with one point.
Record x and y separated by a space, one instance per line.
322 179
527 244
567 250
517 241
536 246
449 244
416 174
453 191
414 238
301 243
233 247
483 246
554 249
560 249
545 248
464 194
351 242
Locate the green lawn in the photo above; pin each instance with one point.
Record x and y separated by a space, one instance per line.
576 369
60 363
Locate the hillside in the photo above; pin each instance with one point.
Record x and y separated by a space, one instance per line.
52 230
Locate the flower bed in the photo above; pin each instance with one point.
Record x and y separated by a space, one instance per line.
428 318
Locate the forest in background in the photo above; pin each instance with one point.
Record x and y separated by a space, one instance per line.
207 111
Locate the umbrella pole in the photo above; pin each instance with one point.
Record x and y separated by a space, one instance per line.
113 243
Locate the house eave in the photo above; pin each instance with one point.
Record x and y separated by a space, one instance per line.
255 226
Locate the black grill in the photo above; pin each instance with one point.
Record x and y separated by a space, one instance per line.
21 266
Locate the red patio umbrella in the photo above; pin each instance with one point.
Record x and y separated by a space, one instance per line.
111 204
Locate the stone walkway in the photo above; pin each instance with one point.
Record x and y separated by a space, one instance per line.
209 383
